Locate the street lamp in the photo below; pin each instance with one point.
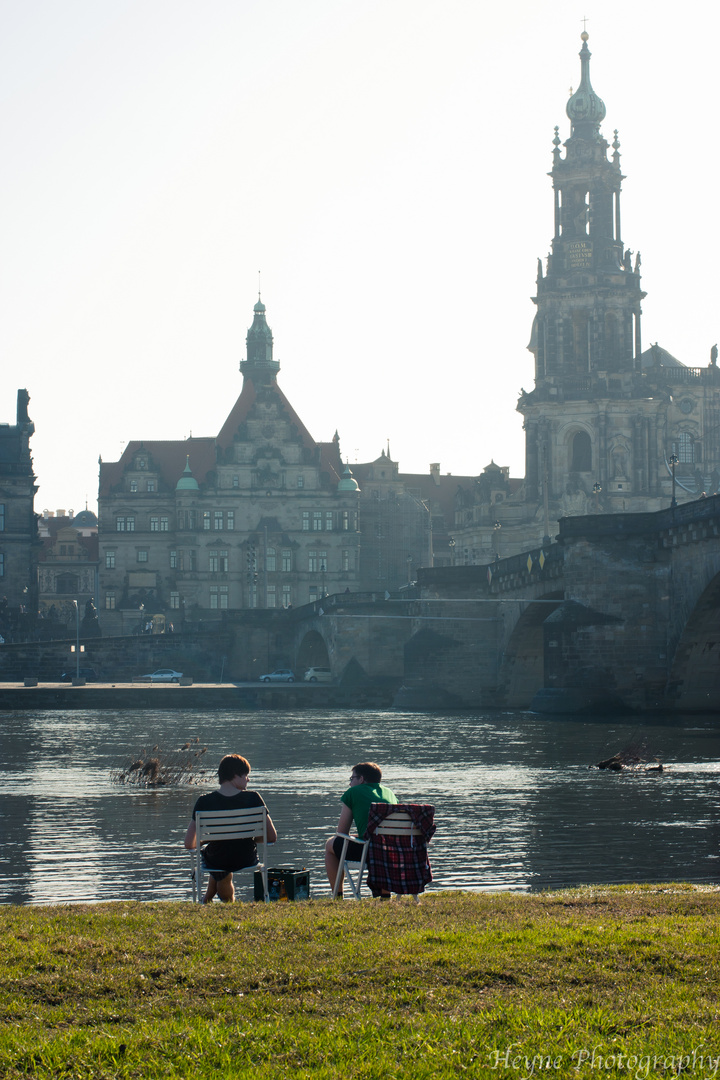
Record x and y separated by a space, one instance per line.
673 461
451 545
596 492
77 640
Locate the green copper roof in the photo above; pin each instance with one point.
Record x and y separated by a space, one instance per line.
187 481
259 364
348 482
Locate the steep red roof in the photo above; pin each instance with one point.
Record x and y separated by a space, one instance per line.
166 457
243 407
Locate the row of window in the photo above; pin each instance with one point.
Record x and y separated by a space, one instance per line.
219 520
325 520
219 561
220 597
150 484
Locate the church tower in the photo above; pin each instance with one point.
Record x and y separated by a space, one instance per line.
599 420
588 324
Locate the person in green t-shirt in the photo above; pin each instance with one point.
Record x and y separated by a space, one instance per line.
365 788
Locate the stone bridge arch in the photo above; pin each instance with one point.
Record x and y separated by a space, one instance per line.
694 681
312 651
522 668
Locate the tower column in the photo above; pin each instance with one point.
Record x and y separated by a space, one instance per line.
653 451
638 462
531 461
638 341
602 450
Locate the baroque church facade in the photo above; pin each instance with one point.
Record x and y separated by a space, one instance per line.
609 426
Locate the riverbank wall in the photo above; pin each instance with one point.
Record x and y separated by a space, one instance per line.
200 697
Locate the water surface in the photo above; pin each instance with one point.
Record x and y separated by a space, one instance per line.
517 806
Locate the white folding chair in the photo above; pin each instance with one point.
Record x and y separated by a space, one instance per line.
249 824
344 870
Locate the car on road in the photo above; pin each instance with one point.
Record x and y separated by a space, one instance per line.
164 674
318 674
89 674
279 675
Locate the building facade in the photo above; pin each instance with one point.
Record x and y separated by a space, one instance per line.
67 564
18 524
259 516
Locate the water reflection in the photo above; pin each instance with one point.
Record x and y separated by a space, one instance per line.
516 805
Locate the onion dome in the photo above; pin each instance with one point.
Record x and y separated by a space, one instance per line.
187 481
348 481
585 109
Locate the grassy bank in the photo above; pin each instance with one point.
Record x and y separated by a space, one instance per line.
462 984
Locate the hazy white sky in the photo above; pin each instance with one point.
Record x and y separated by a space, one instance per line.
382 162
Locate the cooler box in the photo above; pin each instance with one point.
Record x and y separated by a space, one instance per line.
284 883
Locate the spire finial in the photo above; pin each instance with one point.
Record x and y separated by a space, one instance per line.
585 109
259 296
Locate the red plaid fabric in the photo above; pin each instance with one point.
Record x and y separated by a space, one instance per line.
399 864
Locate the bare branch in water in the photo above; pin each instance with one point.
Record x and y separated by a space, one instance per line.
153 767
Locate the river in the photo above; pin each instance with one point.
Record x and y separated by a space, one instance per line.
518 805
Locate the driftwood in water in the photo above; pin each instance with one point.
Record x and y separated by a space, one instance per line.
635 756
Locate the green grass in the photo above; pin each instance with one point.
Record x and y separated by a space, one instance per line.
501 985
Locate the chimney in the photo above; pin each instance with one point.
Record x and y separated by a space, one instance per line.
435 472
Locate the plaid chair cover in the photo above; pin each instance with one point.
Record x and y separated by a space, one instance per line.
399 864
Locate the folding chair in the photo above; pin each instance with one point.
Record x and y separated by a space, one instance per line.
396 823
246 824
344 870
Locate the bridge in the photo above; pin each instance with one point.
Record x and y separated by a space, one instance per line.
621 611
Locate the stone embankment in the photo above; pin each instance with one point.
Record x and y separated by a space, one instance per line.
198 696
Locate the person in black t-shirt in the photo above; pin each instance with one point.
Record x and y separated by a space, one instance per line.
228 855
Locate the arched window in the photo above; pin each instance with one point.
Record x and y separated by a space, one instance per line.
685 448
581 453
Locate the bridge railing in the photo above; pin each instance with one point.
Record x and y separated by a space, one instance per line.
595 525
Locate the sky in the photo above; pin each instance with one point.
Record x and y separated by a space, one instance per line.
377 167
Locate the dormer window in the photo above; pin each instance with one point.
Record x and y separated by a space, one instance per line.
133 485
142 463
